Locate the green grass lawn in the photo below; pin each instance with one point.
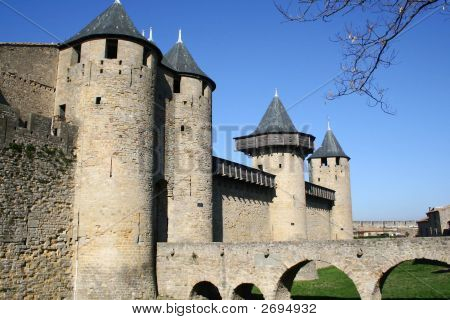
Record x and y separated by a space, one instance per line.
418 280
332 284
409 280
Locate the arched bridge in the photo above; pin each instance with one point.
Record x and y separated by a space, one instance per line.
222 267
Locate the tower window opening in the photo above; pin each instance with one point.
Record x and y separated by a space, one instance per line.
279 166
76 55
111 48
260 167
62 111
146 56
98 100
204 87
318 179
182 128
323 161
338 161
176 85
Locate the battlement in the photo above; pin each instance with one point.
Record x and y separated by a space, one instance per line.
35 129
238 171
319 191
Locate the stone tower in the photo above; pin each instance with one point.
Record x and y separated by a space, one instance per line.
330 167
189 208
278 148
105 85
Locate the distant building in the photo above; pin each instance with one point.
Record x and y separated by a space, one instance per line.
365 229
437 222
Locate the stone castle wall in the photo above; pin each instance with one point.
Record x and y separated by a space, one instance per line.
318 214
36 130
241 211
36 239
28 77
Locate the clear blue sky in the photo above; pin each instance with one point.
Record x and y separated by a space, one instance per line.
399 163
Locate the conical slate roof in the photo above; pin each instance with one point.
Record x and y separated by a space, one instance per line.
113 21
276 119
330 147
180 59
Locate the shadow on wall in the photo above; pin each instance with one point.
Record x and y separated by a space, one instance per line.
2 99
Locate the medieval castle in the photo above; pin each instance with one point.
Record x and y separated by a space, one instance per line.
105 147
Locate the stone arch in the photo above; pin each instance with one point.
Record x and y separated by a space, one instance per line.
244 292
378 291
205 290
284 285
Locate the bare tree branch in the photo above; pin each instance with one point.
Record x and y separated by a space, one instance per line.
366 48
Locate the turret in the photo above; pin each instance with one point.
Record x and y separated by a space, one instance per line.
278 148
329 166
106 80
189 208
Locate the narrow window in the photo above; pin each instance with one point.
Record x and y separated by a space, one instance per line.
338 161
98 100
176 85
182 128
323 161
78 52
55 132
145 57
76 55
204 87
318 179
280 165
111 48
62 111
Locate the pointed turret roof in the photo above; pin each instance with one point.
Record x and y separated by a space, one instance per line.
114 21
330 147
180 60
276 119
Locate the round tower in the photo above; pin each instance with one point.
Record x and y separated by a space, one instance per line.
329 167
106 81
278 148
189 208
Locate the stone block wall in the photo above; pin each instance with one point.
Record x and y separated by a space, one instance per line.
318 224
28 77
240 211
36 192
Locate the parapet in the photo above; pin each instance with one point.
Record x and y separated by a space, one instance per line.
36 130
233 170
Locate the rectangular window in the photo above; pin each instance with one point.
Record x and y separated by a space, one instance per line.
204 87
338 161
76 55
176 85
111 48
98 100
145 57
323 161
62 111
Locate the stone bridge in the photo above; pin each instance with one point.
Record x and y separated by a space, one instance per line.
228 270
